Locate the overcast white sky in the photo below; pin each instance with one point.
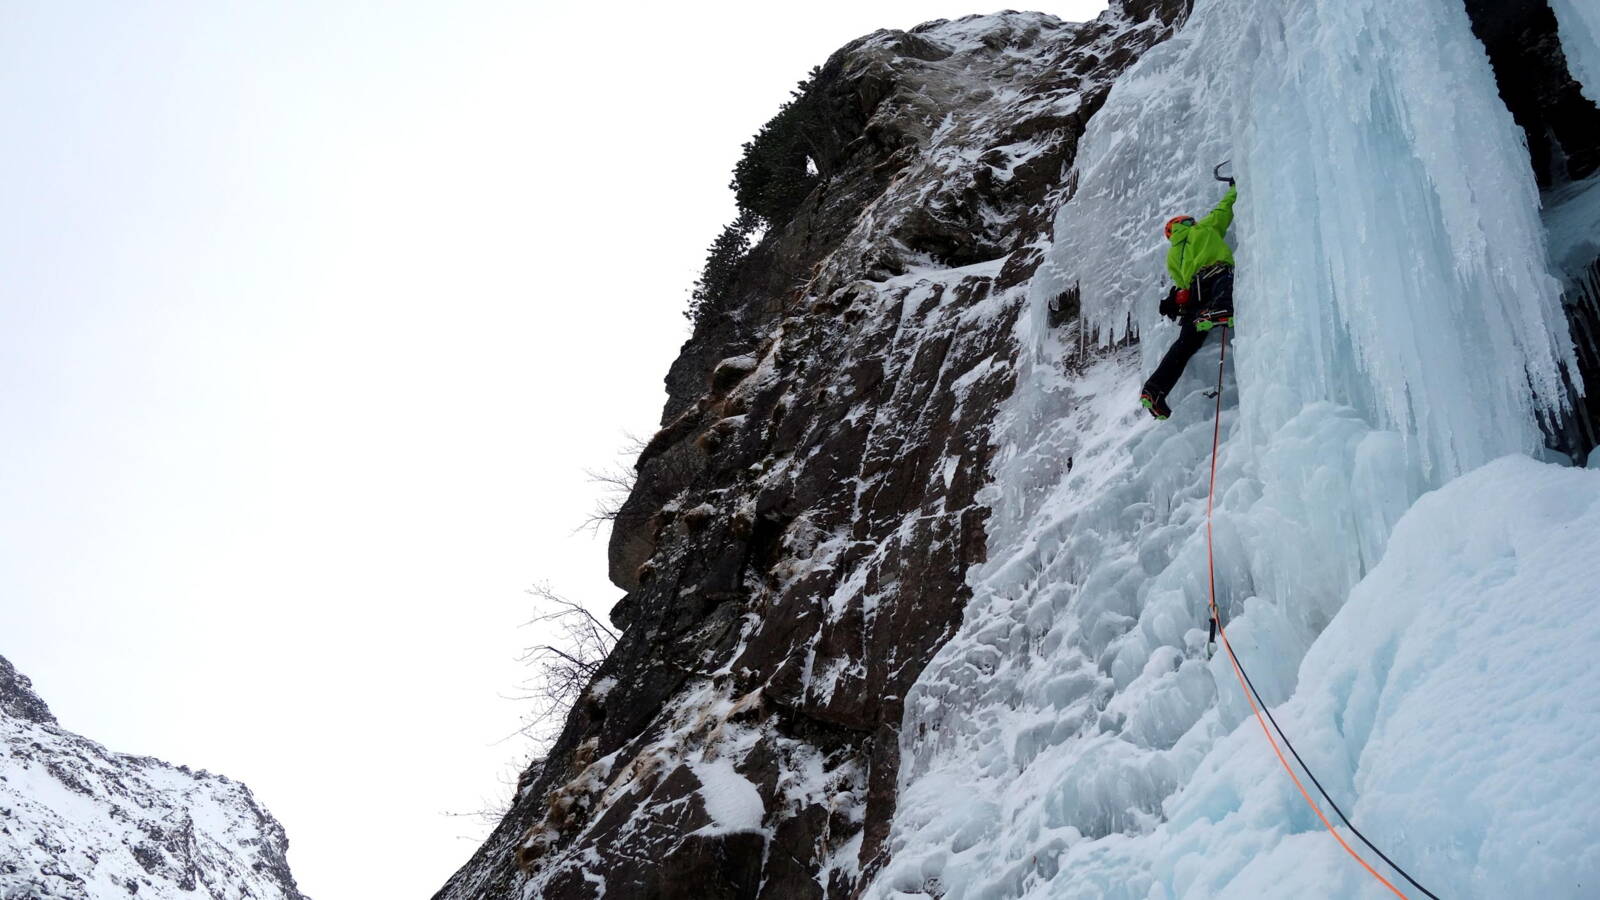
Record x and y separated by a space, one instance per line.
312 315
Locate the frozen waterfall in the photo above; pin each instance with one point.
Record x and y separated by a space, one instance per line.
1399 335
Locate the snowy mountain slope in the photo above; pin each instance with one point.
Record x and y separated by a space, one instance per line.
1401 328
78 822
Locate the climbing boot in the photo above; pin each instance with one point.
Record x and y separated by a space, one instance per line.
1211 318
1157 405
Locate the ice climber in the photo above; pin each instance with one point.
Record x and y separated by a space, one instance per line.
1201 297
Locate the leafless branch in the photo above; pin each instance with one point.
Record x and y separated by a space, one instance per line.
562 667
576 643
616 483
490 812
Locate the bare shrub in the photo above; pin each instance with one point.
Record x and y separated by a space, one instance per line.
577 643
616 483
564 665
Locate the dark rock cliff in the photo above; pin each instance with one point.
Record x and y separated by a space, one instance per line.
795 547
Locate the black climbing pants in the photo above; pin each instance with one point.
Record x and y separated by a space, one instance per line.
1214 291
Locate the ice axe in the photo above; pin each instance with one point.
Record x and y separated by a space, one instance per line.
1217 173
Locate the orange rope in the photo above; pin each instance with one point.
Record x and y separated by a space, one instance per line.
1211 571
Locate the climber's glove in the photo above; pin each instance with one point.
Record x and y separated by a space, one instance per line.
1169 304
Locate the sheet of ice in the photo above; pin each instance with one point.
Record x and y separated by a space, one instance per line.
1578 25
1398 328
1391 255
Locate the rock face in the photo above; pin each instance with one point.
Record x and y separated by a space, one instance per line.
796 545
78 822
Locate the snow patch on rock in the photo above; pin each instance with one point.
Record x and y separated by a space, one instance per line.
730 799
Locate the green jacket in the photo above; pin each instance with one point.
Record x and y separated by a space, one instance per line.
1199 245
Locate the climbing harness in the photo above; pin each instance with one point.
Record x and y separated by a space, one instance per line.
1257 705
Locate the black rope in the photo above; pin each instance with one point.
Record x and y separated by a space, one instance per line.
1216 624
1307 769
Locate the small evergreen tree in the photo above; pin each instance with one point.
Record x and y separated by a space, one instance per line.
772 178
722 264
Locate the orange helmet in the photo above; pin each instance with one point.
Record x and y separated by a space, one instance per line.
1187 220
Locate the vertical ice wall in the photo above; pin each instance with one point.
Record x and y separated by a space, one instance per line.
1390 248
1398 327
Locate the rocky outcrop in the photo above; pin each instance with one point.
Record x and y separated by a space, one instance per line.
17 699
78 822
795 548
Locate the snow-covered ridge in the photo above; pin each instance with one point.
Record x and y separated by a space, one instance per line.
1400 332
79 822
